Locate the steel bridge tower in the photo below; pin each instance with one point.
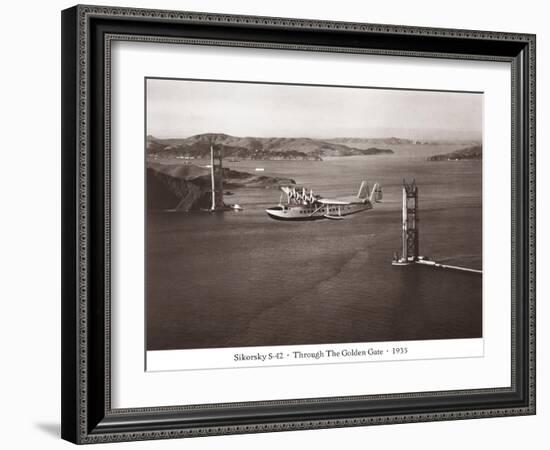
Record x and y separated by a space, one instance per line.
410 250
216 176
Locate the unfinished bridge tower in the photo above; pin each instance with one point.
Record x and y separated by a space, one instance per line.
409 237
216 174
409 252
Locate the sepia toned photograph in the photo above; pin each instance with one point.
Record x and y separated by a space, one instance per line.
286 214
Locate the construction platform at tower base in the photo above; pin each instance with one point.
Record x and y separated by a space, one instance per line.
408 261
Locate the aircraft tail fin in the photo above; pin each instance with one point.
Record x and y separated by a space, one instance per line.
363 190
376 193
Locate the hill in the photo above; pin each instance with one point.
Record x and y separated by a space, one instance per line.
468 153
198 146
186 187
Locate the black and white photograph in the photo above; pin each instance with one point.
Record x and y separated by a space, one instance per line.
296 214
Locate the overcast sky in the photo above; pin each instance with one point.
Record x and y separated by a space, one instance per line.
180 108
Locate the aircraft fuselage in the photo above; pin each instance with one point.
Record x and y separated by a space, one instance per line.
316 211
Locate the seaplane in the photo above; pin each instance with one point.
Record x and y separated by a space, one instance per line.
302 204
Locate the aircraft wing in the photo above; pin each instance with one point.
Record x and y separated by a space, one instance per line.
332 201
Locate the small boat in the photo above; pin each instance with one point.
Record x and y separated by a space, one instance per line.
237 207
259 169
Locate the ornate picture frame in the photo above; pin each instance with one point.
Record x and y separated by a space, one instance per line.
88 34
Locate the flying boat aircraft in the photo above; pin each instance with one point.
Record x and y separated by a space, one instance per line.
302 204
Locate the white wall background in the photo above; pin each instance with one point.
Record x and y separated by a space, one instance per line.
30 222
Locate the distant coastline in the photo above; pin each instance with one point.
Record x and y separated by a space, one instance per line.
251 148
469 153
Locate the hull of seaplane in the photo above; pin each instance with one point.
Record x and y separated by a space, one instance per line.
315 212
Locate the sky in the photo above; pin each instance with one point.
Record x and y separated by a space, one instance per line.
182 108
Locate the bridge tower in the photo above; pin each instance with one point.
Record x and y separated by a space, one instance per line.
216 172
409 252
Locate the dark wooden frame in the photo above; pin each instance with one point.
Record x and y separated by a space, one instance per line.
87 31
